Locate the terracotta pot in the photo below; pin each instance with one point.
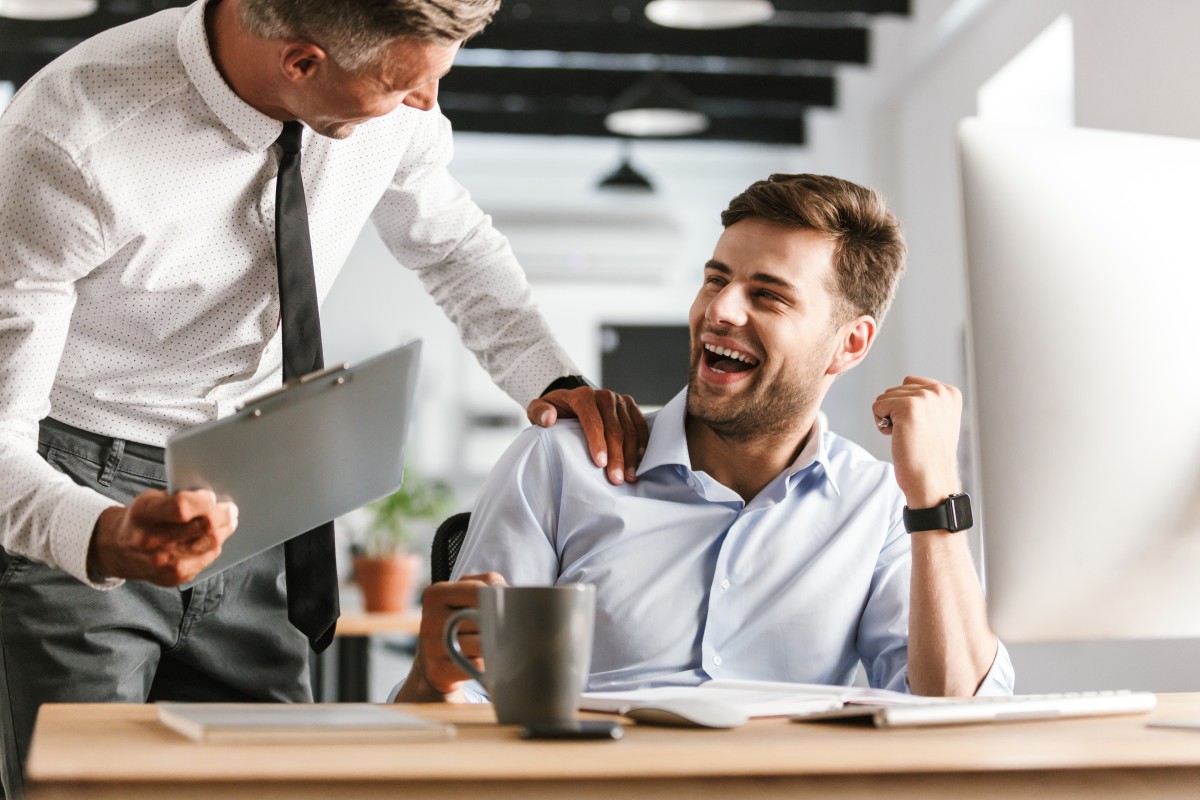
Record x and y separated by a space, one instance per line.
388 583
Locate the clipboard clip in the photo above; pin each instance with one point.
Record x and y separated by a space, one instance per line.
293 383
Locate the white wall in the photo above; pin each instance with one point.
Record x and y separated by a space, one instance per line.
1137 64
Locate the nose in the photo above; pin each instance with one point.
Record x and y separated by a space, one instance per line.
424 98
727 308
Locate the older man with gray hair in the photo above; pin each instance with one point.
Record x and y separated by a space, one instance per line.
176 197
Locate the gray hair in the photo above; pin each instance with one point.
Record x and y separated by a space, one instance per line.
354 32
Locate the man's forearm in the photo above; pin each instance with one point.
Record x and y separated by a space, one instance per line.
951 647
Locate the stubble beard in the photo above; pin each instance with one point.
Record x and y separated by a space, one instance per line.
760 410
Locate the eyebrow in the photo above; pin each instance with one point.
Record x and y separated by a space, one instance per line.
761 277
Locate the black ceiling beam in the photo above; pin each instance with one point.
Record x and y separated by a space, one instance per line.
592 10
713 107
43 48
638 36
607 84
582 13
565 100
16 69
764 131
844 6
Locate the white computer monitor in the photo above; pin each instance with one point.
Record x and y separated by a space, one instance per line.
1083 256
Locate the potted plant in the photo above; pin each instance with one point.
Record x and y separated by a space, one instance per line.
385 568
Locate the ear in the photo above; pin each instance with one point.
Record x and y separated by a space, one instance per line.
299 60
854 340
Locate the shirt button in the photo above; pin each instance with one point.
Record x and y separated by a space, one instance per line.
717 660
725 583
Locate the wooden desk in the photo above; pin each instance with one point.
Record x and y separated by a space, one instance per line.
120 751
369 623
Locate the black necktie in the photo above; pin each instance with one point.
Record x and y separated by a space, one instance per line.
312 590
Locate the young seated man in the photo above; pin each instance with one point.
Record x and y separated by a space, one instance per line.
755 543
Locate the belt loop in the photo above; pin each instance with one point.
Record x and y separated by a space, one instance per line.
115 452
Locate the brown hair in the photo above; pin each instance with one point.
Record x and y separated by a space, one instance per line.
354 32
869 249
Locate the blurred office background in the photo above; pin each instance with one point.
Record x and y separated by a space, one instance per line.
869 90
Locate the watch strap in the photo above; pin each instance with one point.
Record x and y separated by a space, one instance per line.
952 514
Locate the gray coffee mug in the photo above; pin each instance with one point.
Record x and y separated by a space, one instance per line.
537 648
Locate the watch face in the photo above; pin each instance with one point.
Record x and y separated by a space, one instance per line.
958 507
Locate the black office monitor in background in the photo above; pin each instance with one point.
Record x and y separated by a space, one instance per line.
649 362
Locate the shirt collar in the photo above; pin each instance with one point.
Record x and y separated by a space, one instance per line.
815 451
668 443
254 129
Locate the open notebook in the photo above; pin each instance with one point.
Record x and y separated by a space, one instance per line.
753 698
807 702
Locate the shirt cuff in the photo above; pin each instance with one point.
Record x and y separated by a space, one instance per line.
534 370
472 692
71 534
1001 678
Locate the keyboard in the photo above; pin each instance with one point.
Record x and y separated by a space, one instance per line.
972 710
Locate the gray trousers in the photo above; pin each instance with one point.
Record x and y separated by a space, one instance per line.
227 639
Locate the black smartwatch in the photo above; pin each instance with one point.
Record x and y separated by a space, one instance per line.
953 514
567 382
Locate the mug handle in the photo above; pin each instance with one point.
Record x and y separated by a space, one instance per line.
450 639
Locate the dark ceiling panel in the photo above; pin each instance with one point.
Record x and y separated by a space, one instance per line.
840 44
844 6
555 66
803 90
556 123
593 10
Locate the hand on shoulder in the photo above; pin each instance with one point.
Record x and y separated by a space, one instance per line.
614 426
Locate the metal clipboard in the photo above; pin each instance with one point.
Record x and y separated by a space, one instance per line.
319 447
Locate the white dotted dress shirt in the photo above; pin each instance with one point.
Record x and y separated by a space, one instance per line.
138 291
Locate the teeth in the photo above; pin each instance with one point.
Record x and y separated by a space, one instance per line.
734 354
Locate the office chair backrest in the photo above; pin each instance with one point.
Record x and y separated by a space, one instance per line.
446 544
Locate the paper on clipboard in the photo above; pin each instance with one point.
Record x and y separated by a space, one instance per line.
303 455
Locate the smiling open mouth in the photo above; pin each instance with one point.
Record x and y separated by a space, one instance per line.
724 359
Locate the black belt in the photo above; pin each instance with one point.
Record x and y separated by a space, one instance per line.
105 444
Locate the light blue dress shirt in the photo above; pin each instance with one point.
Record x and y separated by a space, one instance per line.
801 584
